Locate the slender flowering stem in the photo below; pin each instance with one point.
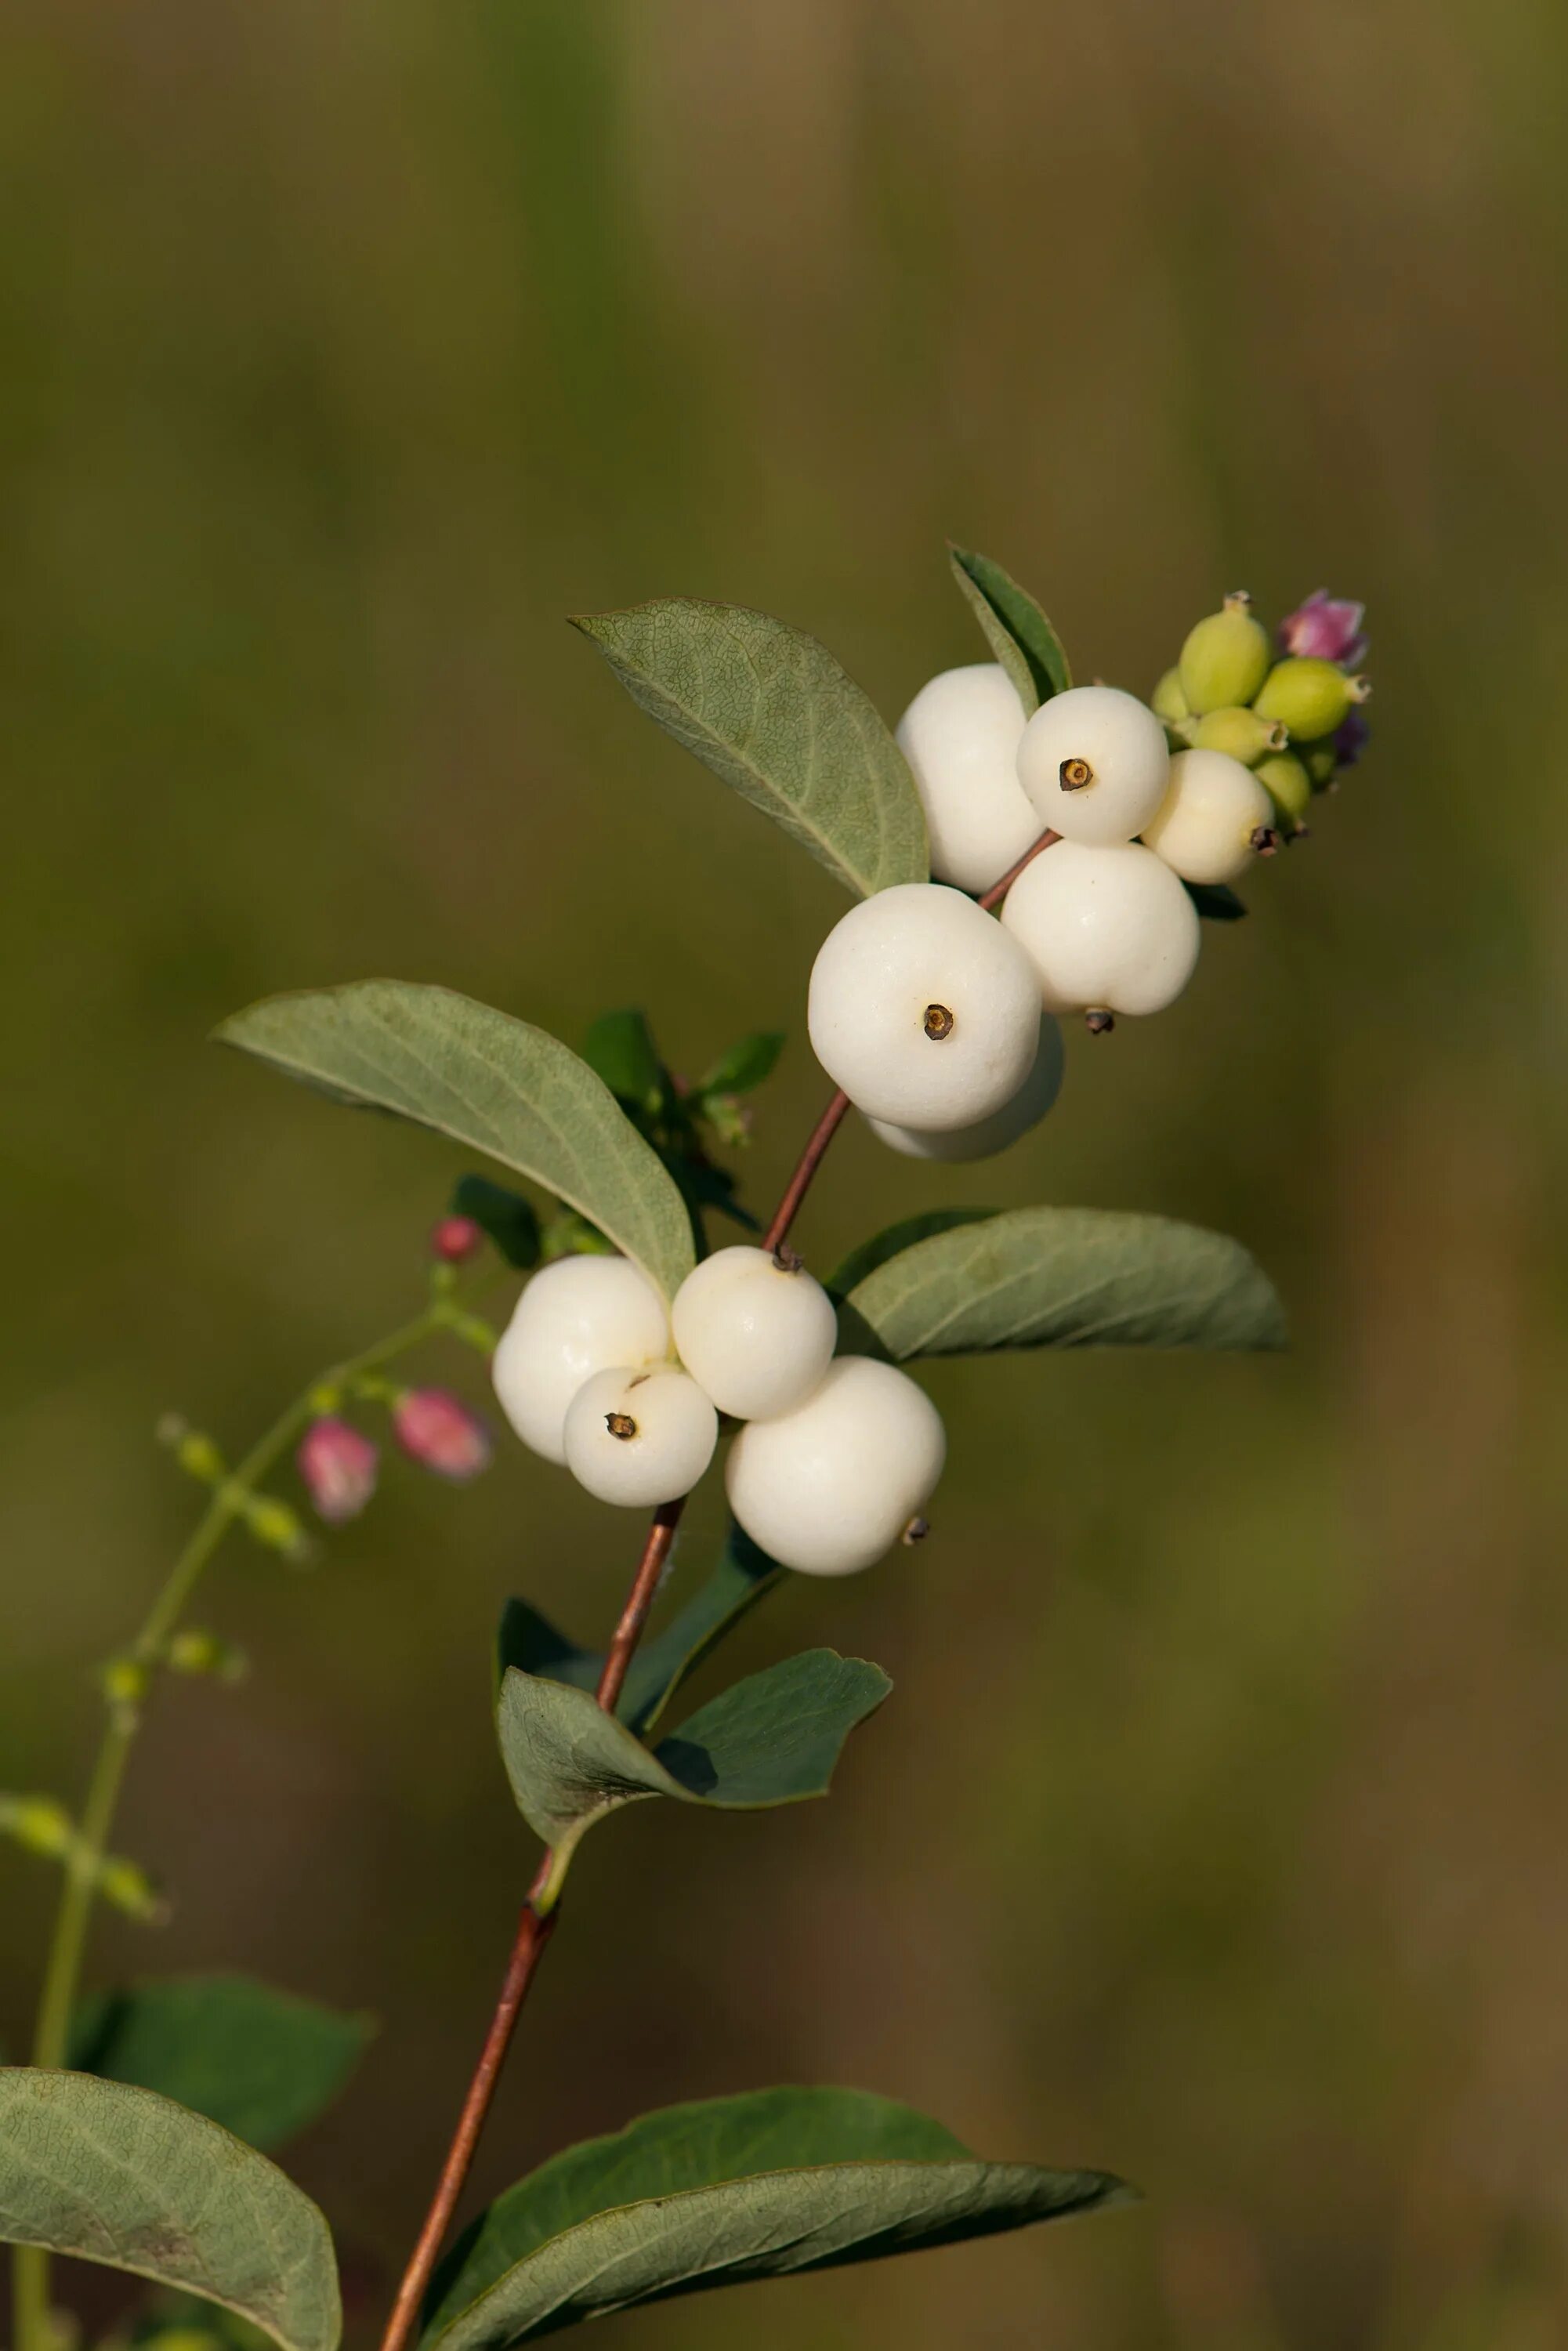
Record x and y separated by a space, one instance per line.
62 1974
540 1910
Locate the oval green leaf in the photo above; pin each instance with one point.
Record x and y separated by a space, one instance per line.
769 2184
1066 1278
496 1084
110 2174
772 1739
770 711
1015 628
260 2062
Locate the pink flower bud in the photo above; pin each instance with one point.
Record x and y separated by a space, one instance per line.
1352 739
1325 628
339 1468
437 1431
455 1238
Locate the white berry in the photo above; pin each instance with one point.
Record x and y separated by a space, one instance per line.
1106 929
983 1140
832 1486
637 1437
1094 763
579 1316
755 1330
960 735
1207 826
923 1008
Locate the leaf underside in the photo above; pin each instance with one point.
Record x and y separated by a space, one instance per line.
773 1739
1015 628
1066 1278
496 1084
770 711
111 2173
769 2184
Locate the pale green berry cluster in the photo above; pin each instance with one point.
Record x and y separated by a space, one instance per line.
1294 721
836 1456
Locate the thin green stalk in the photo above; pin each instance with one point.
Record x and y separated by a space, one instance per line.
62 1973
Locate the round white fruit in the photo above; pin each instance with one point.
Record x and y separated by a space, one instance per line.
1106 929
755 1330
638 1438
1095 764
960 735
579 1316
830 1487
1206 827
1027 1108
923 1008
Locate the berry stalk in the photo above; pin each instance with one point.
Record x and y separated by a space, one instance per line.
540 1909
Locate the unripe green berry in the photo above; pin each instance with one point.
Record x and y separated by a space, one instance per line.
274 1524
1321 761
124 1681
1289 786
1167 700
1240 734
1311 696
196 1651
1225 657
200 1457
125 1885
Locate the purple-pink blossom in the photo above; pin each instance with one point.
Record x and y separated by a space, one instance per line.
439 1432
1325 628
337 1466
455 1238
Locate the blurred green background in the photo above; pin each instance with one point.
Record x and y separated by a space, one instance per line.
1214 1831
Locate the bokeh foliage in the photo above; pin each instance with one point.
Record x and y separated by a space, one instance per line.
348 348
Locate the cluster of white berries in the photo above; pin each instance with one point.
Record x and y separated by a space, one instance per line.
836 1457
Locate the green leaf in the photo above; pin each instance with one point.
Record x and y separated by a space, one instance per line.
107 2173
769 2184
1017 631
894 1240
772 1739
496 1084
746 1066
770 711
527 1640
505 1216
1068 1278
620 1049
259 2061
1215 901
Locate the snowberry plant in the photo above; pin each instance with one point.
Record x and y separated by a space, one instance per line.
1022 849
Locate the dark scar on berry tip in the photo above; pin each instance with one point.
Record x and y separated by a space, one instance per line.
1264 840
916 1532
785 1258
1074 774
620 1423
939 1022
1099 1024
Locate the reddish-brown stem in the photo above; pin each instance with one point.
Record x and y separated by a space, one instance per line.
535 1929
811 1159
999 890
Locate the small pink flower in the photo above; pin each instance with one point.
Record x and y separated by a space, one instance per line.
1353 739
441 1433
455 1238
1326 628
339 1467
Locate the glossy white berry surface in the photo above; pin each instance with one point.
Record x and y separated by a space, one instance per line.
1094 763
1204 827
1106 929
756 1335
923 1008
579 1316
960 735
639 1438
832 1486
1028 1107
